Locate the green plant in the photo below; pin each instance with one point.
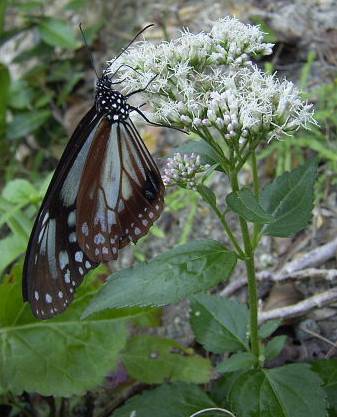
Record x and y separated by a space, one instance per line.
206 85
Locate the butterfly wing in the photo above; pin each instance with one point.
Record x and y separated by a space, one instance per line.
55 264
121 193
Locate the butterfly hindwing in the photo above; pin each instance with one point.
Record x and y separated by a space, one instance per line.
120 195
55 264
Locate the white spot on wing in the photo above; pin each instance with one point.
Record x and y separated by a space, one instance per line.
99 238
79 256
49 298
72 218
63 258
85 229
72 237
67 277
36 295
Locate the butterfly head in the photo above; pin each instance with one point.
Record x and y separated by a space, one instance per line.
109 102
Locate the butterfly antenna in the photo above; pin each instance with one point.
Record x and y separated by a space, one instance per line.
131 42
89 51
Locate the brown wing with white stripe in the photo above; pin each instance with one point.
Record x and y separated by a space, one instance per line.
121 193
55 264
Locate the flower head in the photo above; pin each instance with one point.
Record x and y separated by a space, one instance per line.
183 170
207 80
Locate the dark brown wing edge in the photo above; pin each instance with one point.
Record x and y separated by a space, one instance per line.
77 140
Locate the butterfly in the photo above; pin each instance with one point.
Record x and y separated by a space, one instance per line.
105 193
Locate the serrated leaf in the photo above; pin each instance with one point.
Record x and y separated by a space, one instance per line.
62 356
241 361
208 155
19 191
327 370
289 199
245 204
267 329
274 347
56 32
168 278
219 324
174 400
25 123
278 392
154 360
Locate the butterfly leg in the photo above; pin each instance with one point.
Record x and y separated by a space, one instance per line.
136 109
141 89
111 76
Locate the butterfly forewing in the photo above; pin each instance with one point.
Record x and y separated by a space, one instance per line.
55 264
120 195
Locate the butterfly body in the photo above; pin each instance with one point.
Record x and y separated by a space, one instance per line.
110 102
105 193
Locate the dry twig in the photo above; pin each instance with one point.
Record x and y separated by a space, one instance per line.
301 308
296 269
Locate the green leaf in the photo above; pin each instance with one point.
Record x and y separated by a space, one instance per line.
63 356
174 400
274 347
4 88
168 278
267 329
19 191
289 391
208 155
289 199
241 361
327 370
56 32
25 123
219 324
245 204
20 94
153 360
11 247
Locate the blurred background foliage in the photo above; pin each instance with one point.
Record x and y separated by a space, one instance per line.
47 84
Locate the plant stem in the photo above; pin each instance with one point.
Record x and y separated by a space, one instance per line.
256 183
229 233
255 176
250 268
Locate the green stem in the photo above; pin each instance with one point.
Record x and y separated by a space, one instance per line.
251 148
223 220
230 235
250 268
255 176
256 183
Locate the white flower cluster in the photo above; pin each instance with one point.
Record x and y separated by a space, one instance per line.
183 170
207 80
